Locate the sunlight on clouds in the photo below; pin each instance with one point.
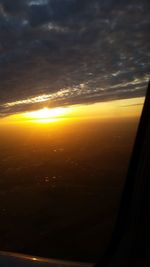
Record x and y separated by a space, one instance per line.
80 90
38 99
136 81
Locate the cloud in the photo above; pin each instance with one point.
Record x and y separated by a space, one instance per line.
61 52
38 2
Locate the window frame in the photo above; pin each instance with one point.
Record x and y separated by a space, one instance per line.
134 201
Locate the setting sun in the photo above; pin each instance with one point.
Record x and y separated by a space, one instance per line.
46 114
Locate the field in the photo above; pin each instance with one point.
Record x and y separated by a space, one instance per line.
60 186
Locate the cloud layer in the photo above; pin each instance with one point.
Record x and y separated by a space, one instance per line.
62 52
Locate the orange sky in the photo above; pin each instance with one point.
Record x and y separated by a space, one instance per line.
112 109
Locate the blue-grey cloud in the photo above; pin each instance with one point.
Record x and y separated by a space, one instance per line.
62 52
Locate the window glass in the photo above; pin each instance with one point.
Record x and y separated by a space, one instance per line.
73 82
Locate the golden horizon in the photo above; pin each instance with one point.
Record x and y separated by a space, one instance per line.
116 108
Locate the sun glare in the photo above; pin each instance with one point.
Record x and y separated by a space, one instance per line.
46 114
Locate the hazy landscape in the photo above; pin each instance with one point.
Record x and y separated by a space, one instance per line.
60 185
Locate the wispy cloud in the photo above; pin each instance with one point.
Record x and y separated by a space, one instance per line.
37 2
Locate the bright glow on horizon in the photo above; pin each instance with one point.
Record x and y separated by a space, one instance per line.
46 113
103 110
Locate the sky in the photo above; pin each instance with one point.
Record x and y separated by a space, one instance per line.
64 52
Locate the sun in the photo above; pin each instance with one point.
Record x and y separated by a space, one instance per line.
46 114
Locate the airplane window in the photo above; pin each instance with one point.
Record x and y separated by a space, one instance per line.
73 83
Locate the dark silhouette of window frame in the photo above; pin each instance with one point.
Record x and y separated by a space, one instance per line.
130 242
